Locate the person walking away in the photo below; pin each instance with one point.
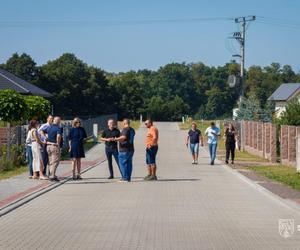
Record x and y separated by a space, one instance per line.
126 150
36 143
151 150
53 146
213 133
111 146
193 139
43 137
29 157
77 137
230 140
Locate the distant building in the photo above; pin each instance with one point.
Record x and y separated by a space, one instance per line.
283 95
10 81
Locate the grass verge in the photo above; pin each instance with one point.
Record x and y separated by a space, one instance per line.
283 174
5 174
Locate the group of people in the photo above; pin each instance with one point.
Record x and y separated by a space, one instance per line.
43 148
194 140
44 143
123 153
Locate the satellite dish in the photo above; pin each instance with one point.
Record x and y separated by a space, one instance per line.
232 81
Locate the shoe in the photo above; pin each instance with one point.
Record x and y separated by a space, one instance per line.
226 162
54 179
212 163
196 163
110 177
152 178
147 177
193 162
44 178
30 177
121 180
35 177
232 162
79 177
74 178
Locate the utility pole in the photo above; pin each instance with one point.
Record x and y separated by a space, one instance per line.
240 36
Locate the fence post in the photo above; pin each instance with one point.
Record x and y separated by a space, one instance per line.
95 132
298 154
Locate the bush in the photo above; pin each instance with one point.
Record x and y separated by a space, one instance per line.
291 115
17 157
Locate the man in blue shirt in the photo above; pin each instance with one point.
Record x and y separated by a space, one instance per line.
213 133
54 137
43 136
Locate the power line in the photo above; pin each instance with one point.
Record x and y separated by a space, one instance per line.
110 22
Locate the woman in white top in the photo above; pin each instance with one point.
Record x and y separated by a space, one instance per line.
36 143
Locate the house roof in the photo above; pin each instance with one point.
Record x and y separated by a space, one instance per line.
10 81
284 92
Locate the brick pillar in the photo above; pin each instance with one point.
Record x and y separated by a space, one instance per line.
273 153
292 144
255 135
284 143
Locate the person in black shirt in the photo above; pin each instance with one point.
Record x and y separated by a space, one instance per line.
126 150
230 139
111 146
193 138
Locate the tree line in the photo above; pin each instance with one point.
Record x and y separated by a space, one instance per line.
168 93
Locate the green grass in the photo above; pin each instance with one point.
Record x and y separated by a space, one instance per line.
283 174
5 174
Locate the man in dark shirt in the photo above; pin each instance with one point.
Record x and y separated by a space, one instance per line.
126 150
54 138
111 146
194 137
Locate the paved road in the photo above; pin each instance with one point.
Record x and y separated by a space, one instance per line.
190 207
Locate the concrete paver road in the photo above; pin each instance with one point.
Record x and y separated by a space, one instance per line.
190 207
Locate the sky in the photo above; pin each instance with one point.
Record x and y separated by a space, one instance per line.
115 35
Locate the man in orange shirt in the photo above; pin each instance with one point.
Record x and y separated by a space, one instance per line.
151 150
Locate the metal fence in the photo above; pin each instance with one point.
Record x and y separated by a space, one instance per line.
18 134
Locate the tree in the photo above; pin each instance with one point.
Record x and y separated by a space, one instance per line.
22 66
291 115
37 107
12 108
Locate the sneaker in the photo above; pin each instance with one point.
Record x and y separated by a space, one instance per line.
232 162
152 178
121 180
54 179
79 177
147 177
193 162
110 177
226 162
196 162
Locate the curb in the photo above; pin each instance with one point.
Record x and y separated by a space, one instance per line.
31 196
290 204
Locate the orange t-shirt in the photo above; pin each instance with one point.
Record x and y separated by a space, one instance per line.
151 136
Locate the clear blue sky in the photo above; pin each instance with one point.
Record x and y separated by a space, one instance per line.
123 47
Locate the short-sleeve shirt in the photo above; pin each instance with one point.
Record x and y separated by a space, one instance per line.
107 133
194 136
212 135
77 135
52 132
127 145
151 134
43 127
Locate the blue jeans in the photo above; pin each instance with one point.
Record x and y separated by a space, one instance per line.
29 159
45 159
125 164
212 151
110 152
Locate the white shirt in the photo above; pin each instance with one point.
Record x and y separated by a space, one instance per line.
212 134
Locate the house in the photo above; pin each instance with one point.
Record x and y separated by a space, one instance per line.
283 95
10 81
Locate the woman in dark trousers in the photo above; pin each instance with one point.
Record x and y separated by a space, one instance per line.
230 139
77 137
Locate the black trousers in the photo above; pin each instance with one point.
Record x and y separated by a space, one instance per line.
230 149
109 153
